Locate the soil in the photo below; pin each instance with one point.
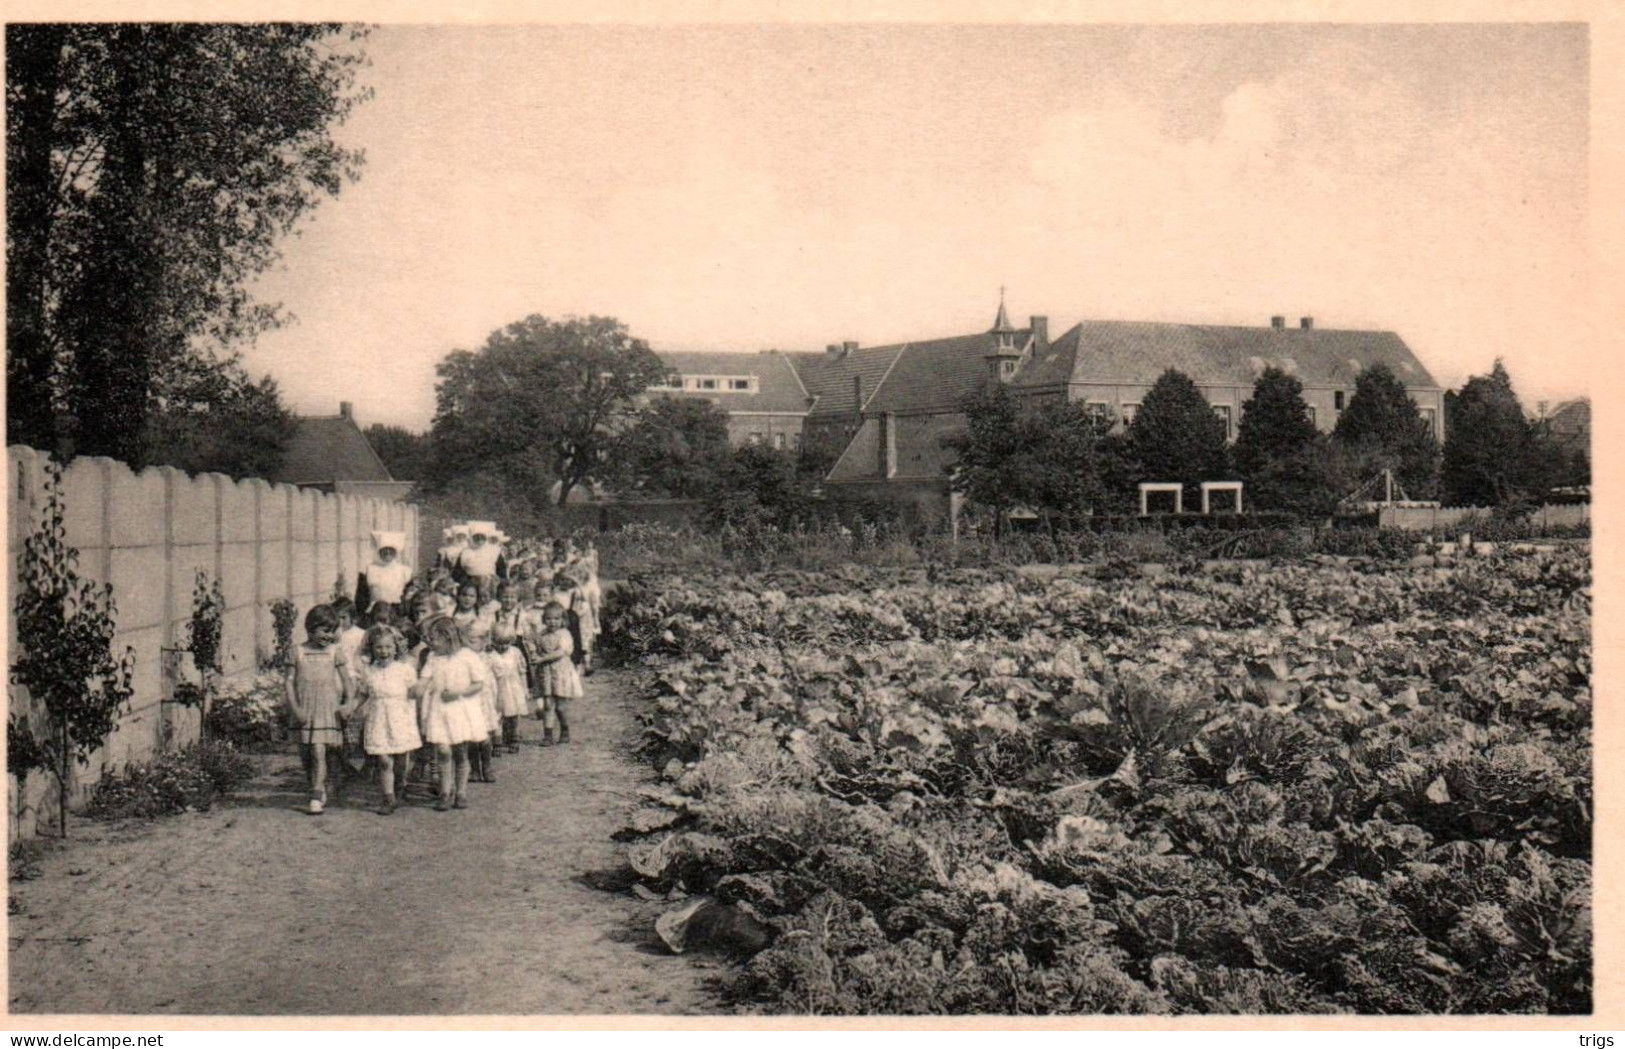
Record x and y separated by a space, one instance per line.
256 907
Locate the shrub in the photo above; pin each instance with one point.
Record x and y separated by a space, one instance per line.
187 779
250 716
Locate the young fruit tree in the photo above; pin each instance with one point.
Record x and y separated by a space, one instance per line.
66 663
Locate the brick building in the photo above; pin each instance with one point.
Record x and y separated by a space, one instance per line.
762 393
889 407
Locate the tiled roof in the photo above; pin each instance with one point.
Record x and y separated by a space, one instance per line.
828 376
1138 352
918 444
328 448
940 373
860 461
1571 418
778 389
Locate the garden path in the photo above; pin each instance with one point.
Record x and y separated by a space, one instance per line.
256 908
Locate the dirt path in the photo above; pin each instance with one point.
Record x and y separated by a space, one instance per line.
257 908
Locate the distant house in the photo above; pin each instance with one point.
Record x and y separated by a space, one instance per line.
330 453
763 395
1570 423
887 409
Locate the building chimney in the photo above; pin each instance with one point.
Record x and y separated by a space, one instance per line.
848 347
857 394
1040 327
346 410
1278 322
1306 323
833 348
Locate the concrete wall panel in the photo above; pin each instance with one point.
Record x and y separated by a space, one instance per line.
138 507
138 586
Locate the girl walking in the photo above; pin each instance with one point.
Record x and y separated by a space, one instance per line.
318 688
556 679
388 711
449 690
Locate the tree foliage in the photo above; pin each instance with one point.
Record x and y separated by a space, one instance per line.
1493 454
677 448
152 170
1176 436
1384 430
757 486
409 456
1046 458
541 401
1279 454
209 415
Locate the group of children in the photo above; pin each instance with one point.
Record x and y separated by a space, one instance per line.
430 680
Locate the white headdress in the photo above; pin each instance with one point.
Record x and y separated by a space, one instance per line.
485 528
393 540
453 531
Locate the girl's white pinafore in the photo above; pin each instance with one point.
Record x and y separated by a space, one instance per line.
392 716
460 720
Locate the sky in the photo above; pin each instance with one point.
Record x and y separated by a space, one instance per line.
751 187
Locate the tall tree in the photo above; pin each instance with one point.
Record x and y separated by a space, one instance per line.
1176 436
1493 455
1044 458
1277 452
152 171
541 395
1274 423
209 415
675 449
986 452
1383 430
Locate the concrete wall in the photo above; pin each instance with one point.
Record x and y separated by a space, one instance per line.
1423 518
149 534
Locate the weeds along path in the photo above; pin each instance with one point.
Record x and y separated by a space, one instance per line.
256 908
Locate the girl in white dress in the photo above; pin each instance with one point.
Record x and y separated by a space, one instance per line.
508 665
387 709
453 715
477 639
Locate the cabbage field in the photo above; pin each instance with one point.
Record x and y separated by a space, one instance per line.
1319 786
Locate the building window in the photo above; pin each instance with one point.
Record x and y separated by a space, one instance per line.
739 384
1223 412
795 441
708 384
1337 400
778 441
754 438
1007 367
1129 412
1311 411
1431 417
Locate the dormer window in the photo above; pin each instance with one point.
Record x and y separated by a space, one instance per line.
1007 368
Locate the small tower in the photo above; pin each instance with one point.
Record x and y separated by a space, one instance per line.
1003 359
